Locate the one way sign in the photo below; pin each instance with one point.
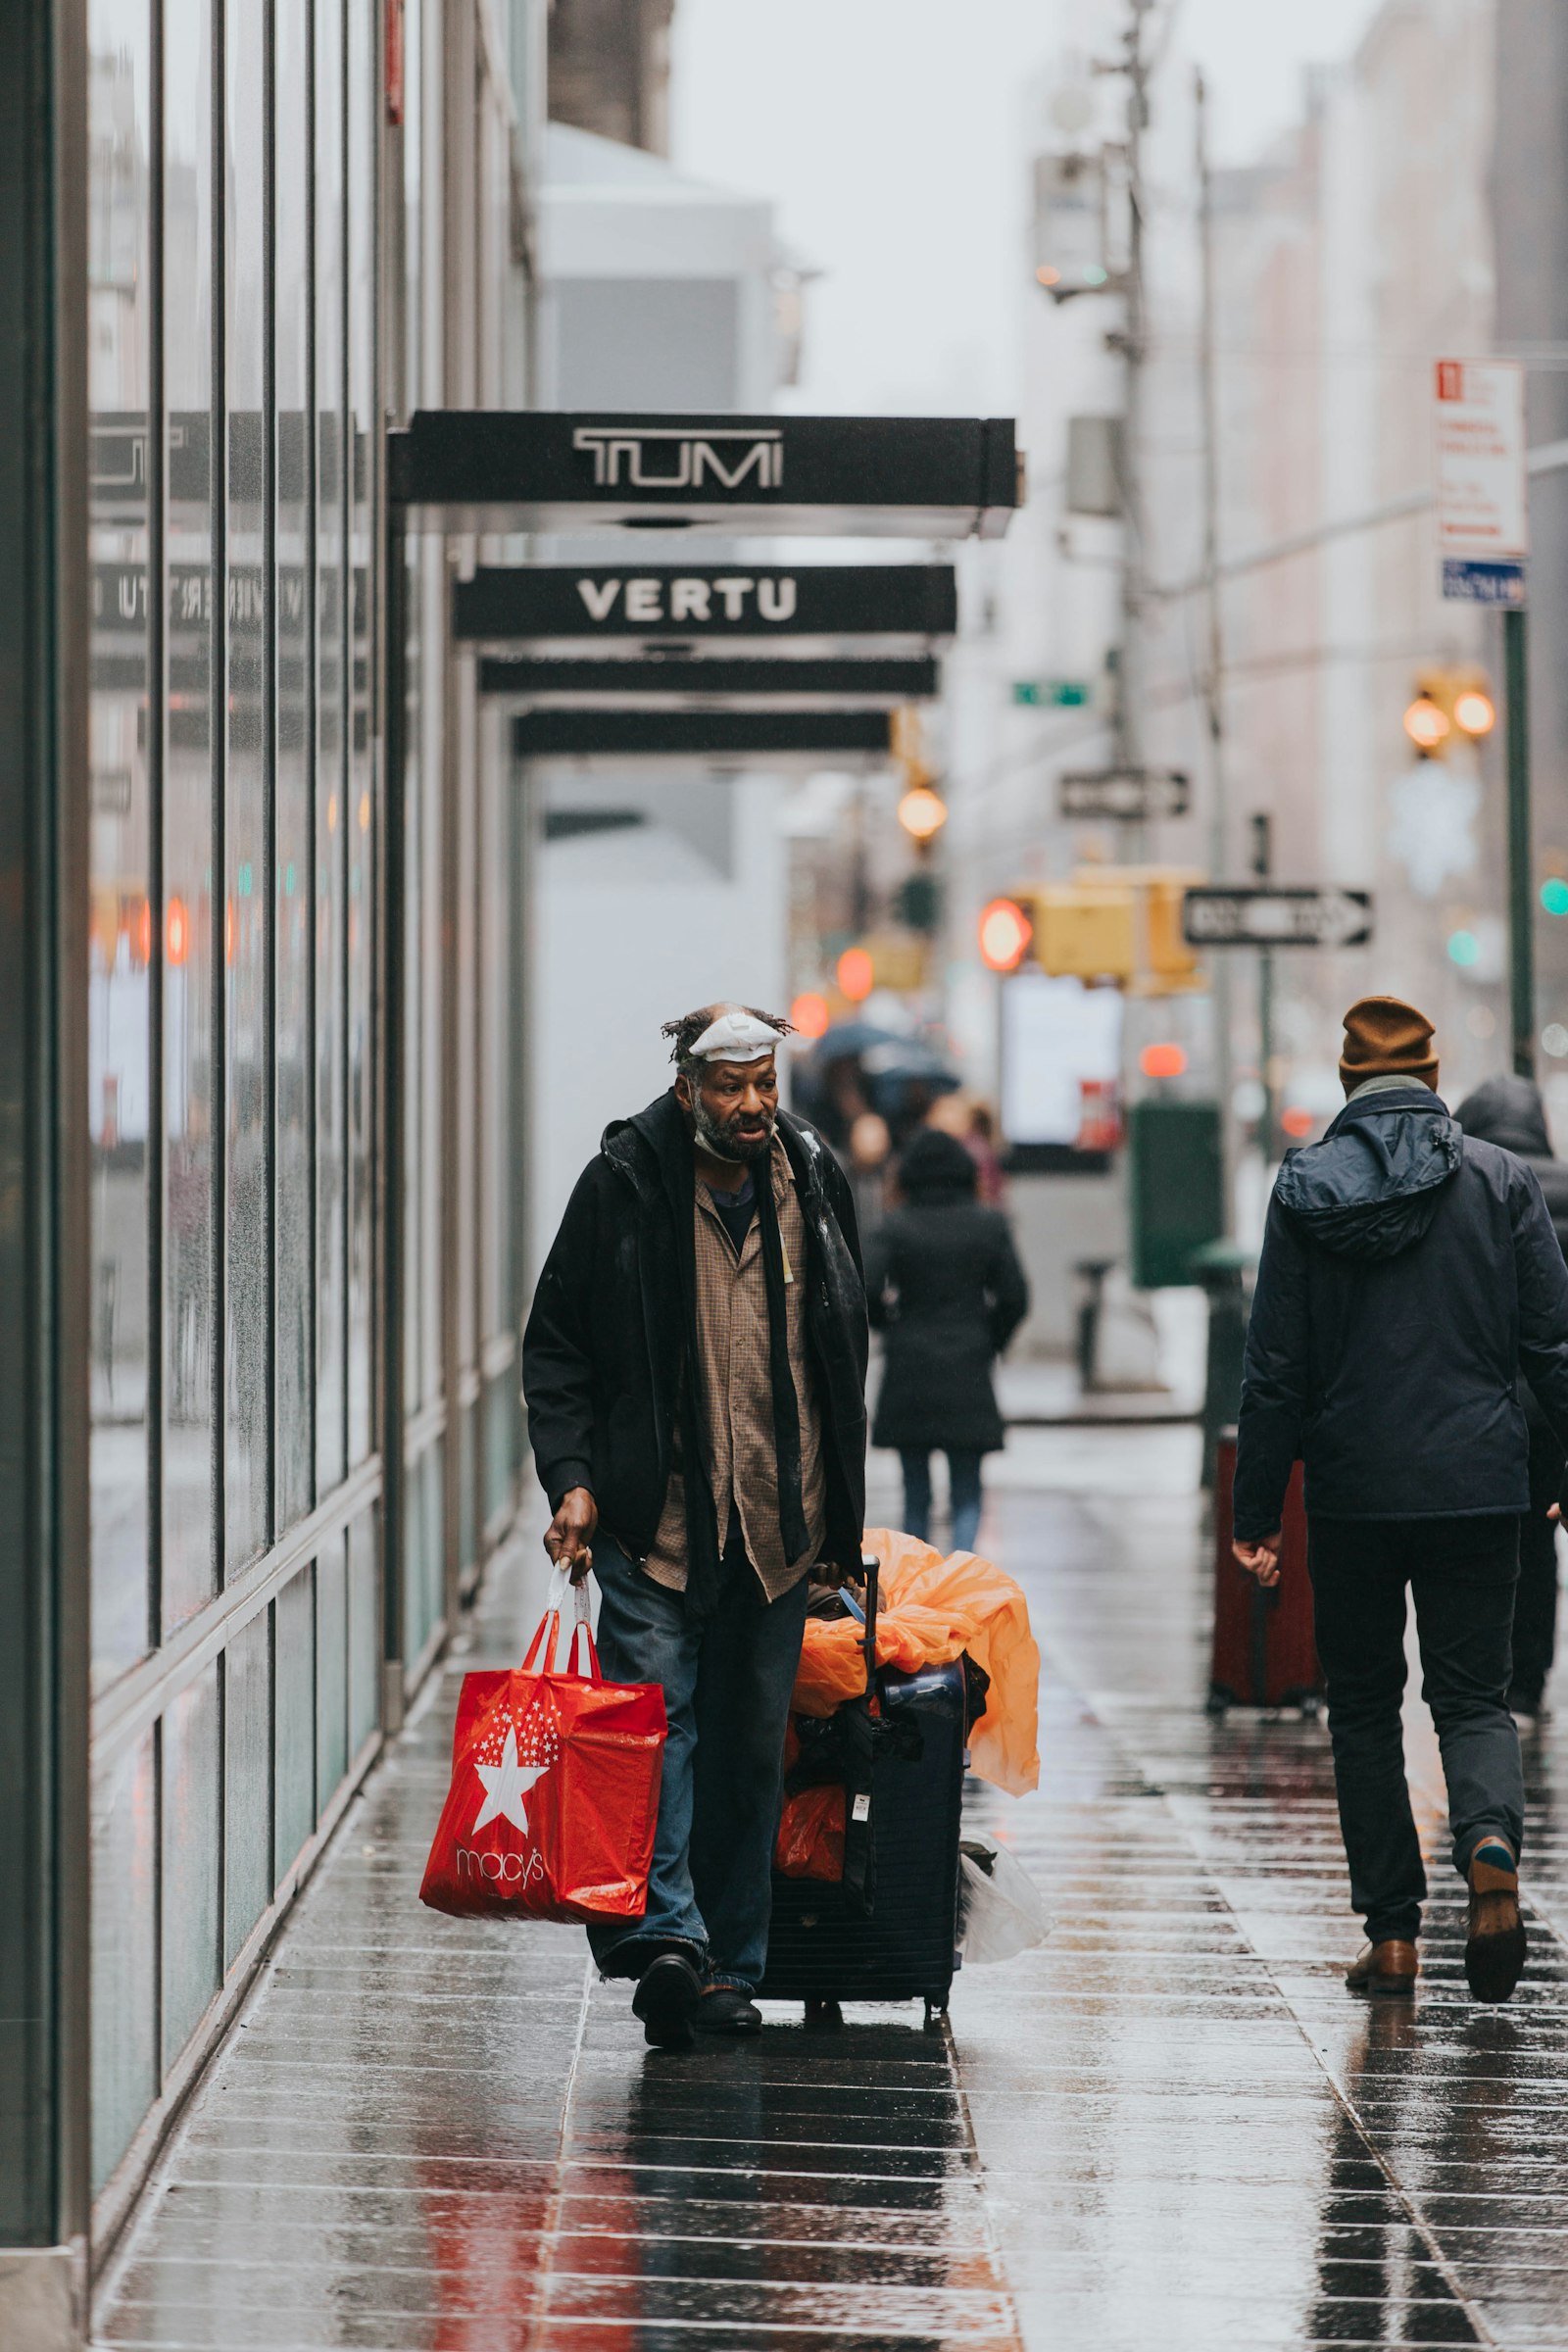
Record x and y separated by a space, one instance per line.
1269 915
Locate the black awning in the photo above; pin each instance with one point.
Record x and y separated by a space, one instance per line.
707 603
823 736
537 469
656 682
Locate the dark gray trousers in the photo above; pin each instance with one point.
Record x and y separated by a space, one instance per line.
1462 1575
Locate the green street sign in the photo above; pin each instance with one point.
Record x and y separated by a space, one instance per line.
1051 694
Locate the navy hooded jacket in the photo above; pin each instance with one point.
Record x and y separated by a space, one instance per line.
1409 1274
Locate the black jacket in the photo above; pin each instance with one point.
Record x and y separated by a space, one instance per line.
1408 1274
605 1358
943 1280
1508 1112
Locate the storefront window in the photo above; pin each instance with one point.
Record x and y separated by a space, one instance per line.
119 986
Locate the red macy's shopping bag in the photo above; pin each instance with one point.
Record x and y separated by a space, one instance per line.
555 1789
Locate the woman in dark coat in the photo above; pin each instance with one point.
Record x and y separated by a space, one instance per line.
942 1281
1510 1112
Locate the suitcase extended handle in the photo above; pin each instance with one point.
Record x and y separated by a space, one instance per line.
871 1571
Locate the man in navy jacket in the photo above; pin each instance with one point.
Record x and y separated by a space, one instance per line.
1409 1274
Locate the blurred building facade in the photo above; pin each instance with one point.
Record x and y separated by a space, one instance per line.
609 68
1416 210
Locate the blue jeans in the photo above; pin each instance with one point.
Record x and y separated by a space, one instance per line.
964 1474
727 1687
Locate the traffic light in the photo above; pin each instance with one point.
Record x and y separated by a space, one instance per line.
1450 703
1120 923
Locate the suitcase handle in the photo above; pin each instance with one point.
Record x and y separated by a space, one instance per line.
872 1570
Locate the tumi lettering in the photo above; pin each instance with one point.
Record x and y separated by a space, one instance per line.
669 458
728 600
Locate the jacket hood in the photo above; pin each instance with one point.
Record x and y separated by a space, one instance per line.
1371 1187
1507 1111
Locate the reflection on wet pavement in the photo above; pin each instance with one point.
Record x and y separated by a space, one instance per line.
1169 2126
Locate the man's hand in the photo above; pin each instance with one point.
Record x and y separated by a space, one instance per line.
1261 1560
571 1531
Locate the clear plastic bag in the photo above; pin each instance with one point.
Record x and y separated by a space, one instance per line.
1001 1910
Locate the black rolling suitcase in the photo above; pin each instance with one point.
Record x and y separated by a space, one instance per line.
887 1932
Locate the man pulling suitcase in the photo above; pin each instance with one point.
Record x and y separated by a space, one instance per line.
695 1373
1409 1274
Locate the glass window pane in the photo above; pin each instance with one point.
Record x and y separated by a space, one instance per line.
332 966
190 1870
332 1668
294 1720
247 1781
359 835
413 980
247 849
120 842
365 1629
188 1449
124 1955
291 882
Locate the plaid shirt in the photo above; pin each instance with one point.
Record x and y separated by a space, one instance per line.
737 1389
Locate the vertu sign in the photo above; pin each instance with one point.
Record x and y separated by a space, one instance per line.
917 602
912 477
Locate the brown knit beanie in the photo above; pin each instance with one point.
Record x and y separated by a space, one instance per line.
1387 1038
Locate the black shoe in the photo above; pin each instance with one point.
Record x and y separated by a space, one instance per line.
667 2000
726 2009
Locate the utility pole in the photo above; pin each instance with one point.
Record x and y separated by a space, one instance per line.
1214 651
1521 897
1131 680
1269 1124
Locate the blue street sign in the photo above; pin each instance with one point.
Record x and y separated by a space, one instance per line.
1466 581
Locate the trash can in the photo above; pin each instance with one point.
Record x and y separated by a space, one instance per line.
1223 1269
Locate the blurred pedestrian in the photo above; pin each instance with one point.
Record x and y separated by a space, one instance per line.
943 1282
1409 1273
1508 1112
695 1374
971 1121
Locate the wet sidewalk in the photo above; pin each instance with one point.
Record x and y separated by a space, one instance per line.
1170 2127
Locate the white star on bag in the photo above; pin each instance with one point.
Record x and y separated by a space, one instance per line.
507 1783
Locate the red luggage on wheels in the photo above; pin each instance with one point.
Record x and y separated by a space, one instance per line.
1265 1653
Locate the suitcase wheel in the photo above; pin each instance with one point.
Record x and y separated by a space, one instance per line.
823 2017
936 2016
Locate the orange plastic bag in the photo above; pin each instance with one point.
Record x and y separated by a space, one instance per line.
930 1609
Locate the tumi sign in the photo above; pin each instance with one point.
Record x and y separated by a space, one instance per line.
540 469
669 457
728 601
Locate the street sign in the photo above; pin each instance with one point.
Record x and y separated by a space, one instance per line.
544 469
1276 915
1052 694
821 738
662 681
737 605
1135 795
1482 490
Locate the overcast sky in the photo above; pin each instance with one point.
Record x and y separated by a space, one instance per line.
893 134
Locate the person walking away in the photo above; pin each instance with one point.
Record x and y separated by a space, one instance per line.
1409 1272
693 1367
944 1282
1508 1112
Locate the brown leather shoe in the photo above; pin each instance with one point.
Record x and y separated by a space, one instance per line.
1388 1969
1494 1954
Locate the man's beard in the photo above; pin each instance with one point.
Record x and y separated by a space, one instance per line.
721 1138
